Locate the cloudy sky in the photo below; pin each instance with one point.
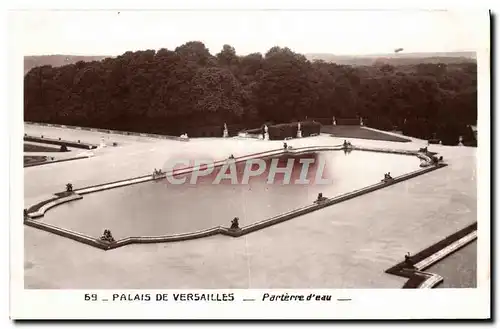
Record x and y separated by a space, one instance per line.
336 32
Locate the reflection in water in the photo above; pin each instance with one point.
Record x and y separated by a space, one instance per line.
158 208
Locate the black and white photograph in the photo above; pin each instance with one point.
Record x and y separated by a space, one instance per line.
250 158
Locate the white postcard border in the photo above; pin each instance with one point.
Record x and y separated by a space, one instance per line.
365 303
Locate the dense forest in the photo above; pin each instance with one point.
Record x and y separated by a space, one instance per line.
182 90
56 60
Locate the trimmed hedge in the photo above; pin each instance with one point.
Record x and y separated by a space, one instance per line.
448 132
214 131
310 127
260 130
284 130
323 121
381 123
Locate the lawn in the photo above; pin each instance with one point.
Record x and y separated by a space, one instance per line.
361 133
39 148
32 159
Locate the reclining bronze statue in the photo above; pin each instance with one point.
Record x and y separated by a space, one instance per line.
408 261
347 144
107 236
157 173
387 177
235 225
320 198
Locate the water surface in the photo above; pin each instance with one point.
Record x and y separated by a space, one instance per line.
159 208
459 270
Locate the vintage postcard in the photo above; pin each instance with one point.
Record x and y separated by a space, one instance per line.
237 163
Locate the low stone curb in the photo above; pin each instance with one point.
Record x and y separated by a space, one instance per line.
58 201
417 278
67 234
431 281
436 257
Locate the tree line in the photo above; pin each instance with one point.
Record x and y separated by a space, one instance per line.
182 90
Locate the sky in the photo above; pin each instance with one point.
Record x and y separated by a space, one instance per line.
336 32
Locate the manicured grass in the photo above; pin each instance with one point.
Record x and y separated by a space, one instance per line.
52 161
77 144
39 148
361 133
33 159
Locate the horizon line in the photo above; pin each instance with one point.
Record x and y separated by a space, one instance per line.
401 54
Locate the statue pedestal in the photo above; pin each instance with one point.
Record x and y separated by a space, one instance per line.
299 134
225 134
266 136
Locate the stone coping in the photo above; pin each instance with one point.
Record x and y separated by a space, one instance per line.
431 281
40 209
417 278
423 280
67 233
40 212
216 164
